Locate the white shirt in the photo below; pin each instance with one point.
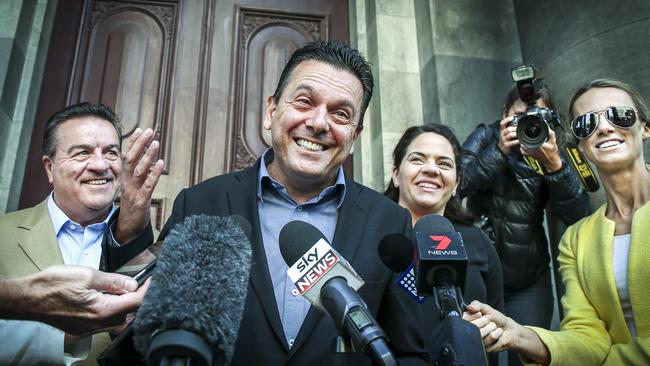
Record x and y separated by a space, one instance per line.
620 254
79 246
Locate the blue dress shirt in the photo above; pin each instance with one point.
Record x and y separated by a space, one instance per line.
276 208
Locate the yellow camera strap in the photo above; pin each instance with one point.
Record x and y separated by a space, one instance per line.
533 164
586 174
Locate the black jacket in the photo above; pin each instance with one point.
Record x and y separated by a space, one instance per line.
514 197
365 217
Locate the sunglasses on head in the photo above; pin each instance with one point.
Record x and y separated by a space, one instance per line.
620 116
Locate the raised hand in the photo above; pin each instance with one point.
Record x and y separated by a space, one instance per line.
139 179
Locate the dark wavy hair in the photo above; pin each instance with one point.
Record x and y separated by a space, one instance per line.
339 56
513 96
77 111
453 209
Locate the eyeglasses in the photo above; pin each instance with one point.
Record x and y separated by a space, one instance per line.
619 116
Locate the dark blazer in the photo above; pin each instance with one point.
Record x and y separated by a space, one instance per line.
365 217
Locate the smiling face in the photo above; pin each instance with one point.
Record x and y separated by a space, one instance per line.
609 147
313 126
85 168
427 176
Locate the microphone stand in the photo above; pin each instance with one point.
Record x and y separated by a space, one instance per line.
455 341
178 347
342 351
351 316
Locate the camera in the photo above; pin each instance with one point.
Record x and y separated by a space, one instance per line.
532 125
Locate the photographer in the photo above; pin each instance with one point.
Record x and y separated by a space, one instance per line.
510 191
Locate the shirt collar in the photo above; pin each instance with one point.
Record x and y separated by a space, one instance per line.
59 218
263 175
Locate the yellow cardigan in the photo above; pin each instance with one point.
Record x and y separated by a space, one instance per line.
594 331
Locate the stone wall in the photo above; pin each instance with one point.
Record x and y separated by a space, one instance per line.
25 28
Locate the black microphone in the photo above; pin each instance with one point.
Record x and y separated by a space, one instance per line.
396 251
441 263
328 282
192 311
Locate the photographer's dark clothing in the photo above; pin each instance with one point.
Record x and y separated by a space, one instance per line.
514 197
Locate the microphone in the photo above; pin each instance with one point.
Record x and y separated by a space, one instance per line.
192 311
441 263
329 283
396 251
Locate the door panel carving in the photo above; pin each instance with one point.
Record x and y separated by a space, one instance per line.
125 60
197 71
265 41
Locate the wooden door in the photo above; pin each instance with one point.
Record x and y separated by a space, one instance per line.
196 71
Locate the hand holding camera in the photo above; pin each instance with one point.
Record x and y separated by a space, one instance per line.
530 123
548 153
507 135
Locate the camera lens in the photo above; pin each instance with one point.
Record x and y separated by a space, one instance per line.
532 131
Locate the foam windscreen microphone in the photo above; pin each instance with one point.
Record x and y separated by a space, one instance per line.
148 271
194 305
329 283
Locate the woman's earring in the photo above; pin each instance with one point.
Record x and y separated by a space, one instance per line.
453 193
395 183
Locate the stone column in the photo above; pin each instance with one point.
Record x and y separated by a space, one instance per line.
25 28
386 34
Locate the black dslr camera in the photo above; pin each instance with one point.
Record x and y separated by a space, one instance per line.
532 125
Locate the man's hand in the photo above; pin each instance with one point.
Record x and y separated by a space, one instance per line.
507 135
547 154
139 179
77 300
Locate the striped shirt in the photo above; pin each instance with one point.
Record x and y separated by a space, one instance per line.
81 246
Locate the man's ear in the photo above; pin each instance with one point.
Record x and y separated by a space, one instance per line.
47 163
270 111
